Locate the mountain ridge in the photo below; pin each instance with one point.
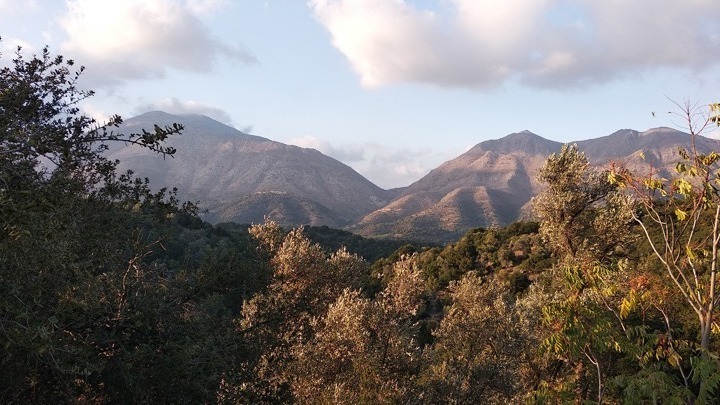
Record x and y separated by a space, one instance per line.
503 176
244 178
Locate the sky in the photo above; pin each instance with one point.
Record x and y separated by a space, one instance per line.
392 88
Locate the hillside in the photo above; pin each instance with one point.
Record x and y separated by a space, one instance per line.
227 170
488 185
493 183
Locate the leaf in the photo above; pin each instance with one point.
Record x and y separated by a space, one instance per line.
653 184
625 308
680 214
683 186
674 359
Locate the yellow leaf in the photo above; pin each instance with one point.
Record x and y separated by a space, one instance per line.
625 308
680 214
683 186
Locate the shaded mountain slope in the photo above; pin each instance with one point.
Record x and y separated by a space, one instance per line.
219 166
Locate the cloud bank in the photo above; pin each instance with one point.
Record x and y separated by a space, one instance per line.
539 43
138 39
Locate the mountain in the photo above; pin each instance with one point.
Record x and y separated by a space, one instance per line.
282 207
493 183
242 178
659 146
488 185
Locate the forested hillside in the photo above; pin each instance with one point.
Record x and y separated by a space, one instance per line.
112 293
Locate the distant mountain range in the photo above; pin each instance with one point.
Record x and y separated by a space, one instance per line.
244 178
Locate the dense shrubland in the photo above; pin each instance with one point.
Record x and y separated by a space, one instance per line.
112 293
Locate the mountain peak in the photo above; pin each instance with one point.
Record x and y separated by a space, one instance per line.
193 123
524 142
153 115
221 167
660 131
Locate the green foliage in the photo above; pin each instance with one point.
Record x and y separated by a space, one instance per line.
715 113
479 350
651 386
515 250
680 219
579 211
305 281
91 307
368 248
363 351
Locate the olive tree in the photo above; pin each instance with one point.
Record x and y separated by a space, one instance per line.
363 350
305 281
480 349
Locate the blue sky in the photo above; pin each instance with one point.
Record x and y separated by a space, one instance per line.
392 88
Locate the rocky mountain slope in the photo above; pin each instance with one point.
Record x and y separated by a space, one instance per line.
490 184
242 178
493 183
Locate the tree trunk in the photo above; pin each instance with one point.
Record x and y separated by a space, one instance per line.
706 321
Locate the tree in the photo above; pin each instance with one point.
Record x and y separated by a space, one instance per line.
581 220
80 301
305 282
568 209
479 347
680 219
363 350
46 141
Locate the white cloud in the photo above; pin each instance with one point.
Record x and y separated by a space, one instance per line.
543 43
9 46
345 153
175 106
120 40
398 167
95 112
386 167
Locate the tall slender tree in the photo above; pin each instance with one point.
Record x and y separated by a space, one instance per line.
680 219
